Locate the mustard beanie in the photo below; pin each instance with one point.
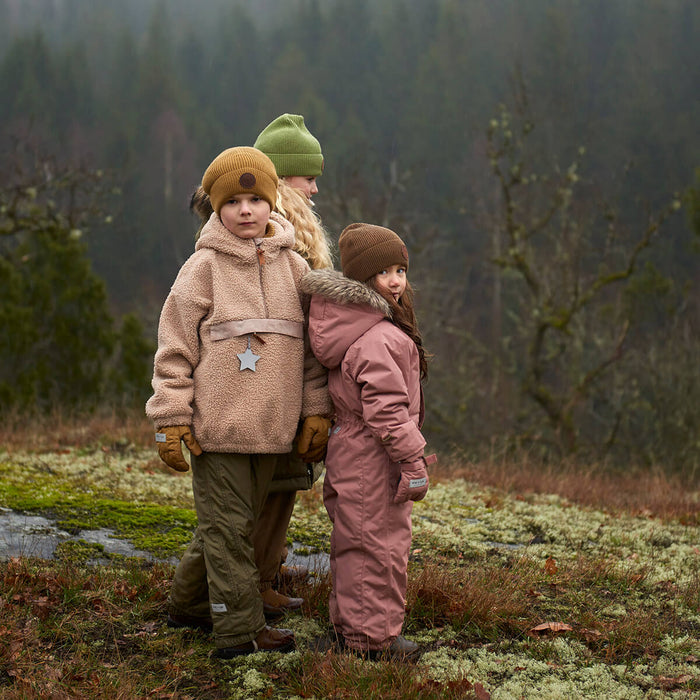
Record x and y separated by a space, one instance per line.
366 249
240 170
291 147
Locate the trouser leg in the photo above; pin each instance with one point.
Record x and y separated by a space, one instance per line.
229 492
189 593
270 535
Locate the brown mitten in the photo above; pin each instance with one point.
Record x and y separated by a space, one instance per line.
170 449
414 481
313 438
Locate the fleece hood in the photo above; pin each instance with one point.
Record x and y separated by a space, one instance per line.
216 236
342 310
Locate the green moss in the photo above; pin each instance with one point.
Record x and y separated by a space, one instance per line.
161 530
644 566
80 552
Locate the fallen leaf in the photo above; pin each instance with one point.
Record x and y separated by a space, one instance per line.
481 692
669 682
552 627
550 567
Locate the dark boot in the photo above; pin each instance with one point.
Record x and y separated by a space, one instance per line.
197 623
401 649
331 641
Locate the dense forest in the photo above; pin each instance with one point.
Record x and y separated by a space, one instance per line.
540 159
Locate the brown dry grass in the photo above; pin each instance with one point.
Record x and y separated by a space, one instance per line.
638 491
56 431
652 492
97 632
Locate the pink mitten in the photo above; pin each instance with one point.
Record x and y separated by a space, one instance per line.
414 482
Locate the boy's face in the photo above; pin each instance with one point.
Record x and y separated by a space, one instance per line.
306 184
246 215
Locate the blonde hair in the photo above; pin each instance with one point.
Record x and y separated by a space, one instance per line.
311 240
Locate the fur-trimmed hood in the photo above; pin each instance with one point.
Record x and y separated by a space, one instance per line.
342 310
342 290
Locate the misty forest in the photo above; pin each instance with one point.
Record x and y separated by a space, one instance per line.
541 160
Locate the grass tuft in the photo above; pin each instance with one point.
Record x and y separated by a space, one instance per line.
524 581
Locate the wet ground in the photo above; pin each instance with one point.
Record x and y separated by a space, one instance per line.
36 536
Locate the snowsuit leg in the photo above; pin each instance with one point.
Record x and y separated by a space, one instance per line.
370 542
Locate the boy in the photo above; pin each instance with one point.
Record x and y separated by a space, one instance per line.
232 379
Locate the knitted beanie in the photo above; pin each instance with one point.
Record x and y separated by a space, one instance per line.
291 147
366 249
240 170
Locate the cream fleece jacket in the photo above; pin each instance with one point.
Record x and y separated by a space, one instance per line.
197 378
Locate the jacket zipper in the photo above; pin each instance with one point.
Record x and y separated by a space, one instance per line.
261 262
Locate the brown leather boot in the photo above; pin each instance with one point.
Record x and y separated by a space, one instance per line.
275 604
289 575
268 639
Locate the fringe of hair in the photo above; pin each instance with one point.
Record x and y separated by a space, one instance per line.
311 239
404 316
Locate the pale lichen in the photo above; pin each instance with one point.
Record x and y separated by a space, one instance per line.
641 558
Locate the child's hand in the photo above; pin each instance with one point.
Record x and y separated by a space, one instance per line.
313 438
414 482
170 449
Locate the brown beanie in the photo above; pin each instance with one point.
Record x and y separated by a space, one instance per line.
366 249
240 170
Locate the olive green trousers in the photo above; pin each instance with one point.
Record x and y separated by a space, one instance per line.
217 574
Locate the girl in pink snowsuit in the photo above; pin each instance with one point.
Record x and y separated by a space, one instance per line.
363 329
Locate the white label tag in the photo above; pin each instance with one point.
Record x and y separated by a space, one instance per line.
218 607
160 437
417 483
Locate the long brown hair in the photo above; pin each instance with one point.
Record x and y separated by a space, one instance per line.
404 316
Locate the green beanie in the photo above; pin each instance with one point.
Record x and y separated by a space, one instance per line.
291 147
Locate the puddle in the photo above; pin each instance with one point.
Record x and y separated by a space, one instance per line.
505 545
24 535
318 562
28 535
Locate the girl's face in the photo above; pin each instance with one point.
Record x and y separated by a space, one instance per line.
392 280
306 184
246 215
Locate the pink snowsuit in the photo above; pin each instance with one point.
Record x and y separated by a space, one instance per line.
374 382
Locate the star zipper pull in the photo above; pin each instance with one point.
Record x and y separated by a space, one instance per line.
248 358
